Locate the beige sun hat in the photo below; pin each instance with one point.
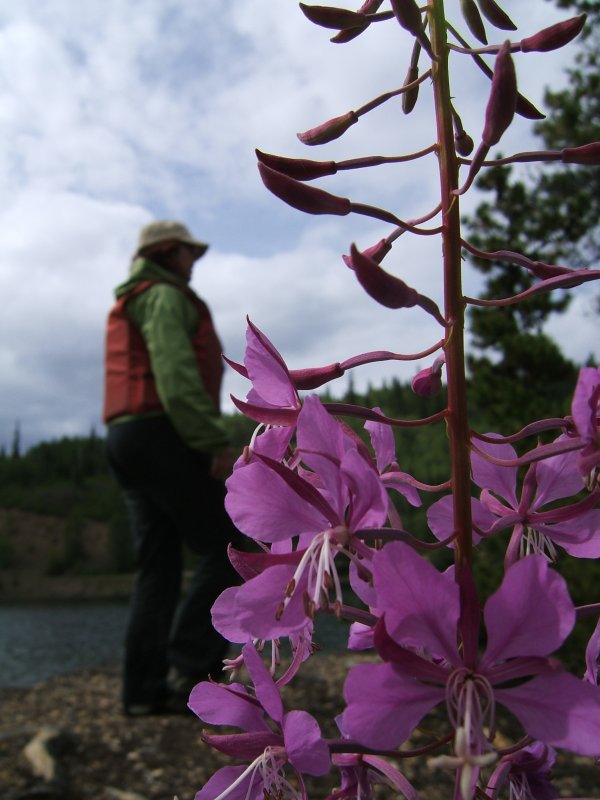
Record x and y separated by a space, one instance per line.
167 230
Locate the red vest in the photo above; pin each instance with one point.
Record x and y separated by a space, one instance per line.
129 386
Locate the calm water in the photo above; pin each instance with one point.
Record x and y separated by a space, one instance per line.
38 642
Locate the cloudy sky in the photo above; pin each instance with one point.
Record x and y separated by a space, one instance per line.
116 112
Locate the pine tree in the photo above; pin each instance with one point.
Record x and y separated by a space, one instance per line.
549 215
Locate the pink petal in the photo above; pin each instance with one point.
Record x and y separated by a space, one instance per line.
421 604
262 505
217 704
251 788
531 614
382 441
304 745
557 477
500 480
266 691
369 498
560 710
383 706
258 604
267 370
579 536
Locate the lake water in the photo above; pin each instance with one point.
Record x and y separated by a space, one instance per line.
39 641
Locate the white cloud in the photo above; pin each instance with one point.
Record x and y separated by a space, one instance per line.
112 113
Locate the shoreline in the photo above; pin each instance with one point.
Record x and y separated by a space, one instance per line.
24 587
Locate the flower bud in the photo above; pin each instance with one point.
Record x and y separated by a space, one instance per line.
463 143
312 378
347 34
386 289
329 17
410 97
555 36
302 169
500 109
428 382
330 130
376 253
587 154
473 19
494 14
408 15
303 197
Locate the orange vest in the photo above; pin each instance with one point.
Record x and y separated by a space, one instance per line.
129 386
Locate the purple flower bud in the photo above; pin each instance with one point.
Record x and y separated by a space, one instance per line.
410 97
587 154
494 14
428 381
555 36
376 253
463 143
302 169
408 15
473 19
330 130
304 198
329 17
388 290
503 97
312 378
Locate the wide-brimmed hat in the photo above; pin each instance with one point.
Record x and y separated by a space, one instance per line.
167 230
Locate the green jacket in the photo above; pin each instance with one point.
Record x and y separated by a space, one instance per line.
167 320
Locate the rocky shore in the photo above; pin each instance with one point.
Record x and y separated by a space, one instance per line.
70 731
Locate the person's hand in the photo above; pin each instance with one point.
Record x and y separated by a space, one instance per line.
222 464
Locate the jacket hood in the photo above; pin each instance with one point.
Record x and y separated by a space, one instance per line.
143 270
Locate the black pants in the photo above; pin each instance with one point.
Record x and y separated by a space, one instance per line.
171 500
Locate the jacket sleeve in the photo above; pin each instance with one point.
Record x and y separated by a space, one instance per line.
167 320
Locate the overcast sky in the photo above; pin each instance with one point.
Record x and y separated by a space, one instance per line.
115 112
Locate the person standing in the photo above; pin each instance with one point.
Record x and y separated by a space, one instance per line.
170 454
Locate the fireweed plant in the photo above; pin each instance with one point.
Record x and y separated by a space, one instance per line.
316 498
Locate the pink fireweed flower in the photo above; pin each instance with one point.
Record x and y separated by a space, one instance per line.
574 527
360 773
338 493
528 617
527 773
294 739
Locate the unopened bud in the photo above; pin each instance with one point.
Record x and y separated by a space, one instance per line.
302 169
463 143
428 382
587 154
388 290
329 17
305 198
376 252
494 14
500 109
410 97
473 19
555 36
307 379
408 15
330 130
